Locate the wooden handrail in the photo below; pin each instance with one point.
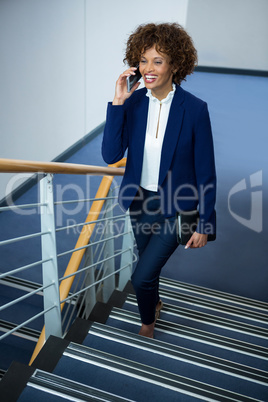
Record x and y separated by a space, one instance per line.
22 166
82 241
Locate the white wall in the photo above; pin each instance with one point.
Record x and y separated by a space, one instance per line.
230 33
59 63
42 78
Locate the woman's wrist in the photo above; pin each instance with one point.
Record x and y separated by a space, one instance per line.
118 102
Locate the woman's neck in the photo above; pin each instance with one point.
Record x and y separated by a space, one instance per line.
162 94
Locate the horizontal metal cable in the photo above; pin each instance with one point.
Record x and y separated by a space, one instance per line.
22 206
84 200
15 239
34 264
91 222
135 258
93 284
92 244
26 296
26 322
94 264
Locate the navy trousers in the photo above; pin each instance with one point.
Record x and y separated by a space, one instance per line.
156 240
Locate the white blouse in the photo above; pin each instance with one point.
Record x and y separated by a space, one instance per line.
158 113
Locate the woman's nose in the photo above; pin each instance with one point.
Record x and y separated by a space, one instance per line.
149 68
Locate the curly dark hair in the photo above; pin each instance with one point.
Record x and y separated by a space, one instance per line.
168 38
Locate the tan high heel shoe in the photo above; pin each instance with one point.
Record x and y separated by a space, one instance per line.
158 309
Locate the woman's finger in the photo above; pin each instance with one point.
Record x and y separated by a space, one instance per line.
127 74
190 242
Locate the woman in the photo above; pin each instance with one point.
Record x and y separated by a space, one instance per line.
170 162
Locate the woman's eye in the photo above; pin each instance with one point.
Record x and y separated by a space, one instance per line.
158 62
142 61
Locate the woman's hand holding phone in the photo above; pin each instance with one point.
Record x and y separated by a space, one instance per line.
121 88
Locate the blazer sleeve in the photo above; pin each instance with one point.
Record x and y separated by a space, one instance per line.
115 138
205 172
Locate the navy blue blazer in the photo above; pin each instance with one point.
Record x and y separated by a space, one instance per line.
187 177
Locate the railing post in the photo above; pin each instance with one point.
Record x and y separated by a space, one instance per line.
126 257
50 268
109 266
89 300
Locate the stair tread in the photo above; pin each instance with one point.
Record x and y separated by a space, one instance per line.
214 294
83 357
108 380
125 341
45 386
194 324
191 337
204 301
188 364
203 318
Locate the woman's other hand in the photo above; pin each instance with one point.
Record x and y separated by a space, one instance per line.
121 93
197 240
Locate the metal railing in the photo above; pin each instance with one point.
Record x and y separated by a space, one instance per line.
100 262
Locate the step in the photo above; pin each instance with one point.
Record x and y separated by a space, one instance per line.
163 385
181 288
25 383
47 387
209 319
16 347
19 283
175 352
27 286
197 335
232 309
22 311
184 292
214 294
23 332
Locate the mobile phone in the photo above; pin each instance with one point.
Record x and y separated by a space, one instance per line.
132 79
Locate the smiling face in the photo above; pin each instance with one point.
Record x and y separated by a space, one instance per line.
156 72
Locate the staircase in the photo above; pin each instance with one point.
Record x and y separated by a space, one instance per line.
208 345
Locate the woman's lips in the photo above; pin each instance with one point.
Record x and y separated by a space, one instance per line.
150 78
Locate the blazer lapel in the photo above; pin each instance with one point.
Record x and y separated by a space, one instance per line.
172 133
140 113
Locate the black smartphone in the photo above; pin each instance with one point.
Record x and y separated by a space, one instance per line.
132 79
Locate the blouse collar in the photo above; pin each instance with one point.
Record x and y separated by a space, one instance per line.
167 99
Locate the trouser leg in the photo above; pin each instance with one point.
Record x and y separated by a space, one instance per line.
155 243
